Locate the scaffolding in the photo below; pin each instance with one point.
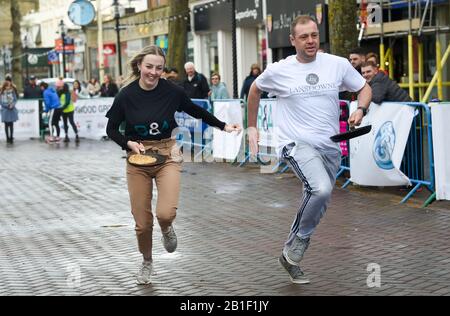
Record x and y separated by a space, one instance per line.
421 14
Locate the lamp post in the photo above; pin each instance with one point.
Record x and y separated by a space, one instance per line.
26 55
234 48
63 35
117 18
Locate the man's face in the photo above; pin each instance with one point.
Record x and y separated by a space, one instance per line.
368 72
306 41
190 71
356 60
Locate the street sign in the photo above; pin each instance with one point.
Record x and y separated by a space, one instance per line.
53 57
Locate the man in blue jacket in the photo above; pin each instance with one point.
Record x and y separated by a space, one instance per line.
52 106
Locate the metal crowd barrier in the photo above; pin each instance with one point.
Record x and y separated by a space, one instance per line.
205 143
415 165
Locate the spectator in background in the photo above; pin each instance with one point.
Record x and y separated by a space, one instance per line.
373 57
195 85
119 81
93 87
165 73
52 106
9 113
108 88
31 90
218 88
68 109
383 88
173 77
255 71
357 57
76 91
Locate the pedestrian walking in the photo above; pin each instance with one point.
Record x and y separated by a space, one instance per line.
147 105
307 114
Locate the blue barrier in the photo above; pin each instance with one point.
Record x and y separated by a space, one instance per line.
413 164
196 130
201 136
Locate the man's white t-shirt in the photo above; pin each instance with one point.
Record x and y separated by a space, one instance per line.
307 94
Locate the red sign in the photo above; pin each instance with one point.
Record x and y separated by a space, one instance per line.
68 48
109 49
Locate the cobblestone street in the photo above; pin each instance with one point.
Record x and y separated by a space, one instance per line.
66 229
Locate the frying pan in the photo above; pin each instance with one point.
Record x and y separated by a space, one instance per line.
351 134
160 159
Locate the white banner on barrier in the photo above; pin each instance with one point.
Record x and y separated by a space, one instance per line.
28 124
90 117
440 112
375 158
225 145
265 122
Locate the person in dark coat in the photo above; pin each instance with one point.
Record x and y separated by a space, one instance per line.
255 71
108 87
195 85
383 88
32 90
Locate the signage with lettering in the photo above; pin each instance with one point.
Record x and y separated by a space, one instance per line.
281 13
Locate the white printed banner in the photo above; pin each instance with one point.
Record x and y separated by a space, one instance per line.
265 122
375 158
227 145
440 113
90 117
28 124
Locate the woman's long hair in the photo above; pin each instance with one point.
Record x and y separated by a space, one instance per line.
137 60
11 86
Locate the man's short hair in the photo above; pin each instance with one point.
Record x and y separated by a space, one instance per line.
357 51
372 55
302 19
369 63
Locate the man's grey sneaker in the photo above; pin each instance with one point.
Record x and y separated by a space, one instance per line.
169 240
144 273
295 273
294 253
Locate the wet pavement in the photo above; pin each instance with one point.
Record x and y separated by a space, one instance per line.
66 229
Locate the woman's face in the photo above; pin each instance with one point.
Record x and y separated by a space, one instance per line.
215 80
105 79
76 85
151 68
